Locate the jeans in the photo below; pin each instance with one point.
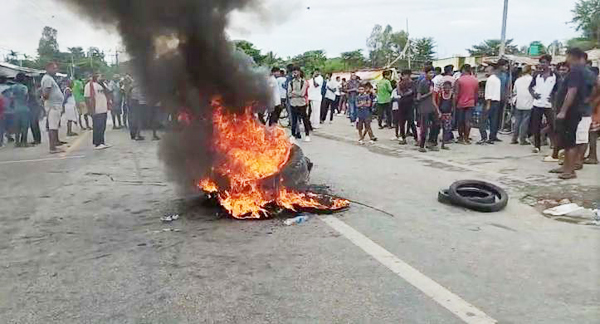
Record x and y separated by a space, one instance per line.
537 114
492 116
99 121
384 110
522 117
352 106
328 105
299 113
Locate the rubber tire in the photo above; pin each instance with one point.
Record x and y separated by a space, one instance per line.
499 193
475 194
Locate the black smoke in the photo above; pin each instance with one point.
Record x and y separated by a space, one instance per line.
200 63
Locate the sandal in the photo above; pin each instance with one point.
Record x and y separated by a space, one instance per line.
567 176
557 170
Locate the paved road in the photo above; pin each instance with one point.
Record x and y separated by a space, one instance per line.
81 242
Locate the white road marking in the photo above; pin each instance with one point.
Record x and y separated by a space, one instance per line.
43 160
458 306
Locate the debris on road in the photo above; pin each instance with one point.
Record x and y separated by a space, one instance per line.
563 209
296 220
476 195
169 218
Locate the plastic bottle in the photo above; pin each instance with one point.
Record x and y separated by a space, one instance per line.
296 220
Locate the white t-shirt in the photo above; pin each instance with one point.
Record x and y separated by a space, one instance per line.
523 98
99 96
332 89
544 89
275 93
436 79
395 97
314 91
55 96
282 91
493 88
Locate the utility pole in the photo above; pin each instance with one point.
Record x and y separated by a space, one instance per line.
408 44
503 38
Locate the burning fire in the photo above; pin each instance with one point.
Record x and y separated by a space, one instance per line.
250 153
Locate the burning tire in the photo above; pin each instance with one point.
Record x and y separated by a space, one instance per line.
500 196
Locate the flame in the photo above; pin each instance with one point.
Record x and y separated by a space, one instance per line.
250 152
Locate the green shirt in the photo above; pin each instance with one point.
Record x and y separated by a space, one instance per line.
384 91
78 91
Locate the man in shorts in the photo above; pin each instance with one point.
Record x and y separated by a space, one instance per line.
466 93
572 98
53 101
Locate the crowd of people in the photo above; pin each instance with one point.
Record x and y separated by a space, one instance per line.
84 103
557 103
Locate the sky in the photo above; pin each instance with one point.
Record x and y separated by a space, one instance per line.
291 27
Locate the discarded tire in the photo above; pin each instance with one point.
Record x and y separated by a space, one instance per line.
474 194
500 196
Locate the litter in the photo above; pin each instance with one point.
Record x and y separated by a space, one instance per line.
296 220
563 209
169 218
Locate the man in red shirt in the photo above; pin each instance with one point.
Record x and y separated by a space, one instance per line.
466 90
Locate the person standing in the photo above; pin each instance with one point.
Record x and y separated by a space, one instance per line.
35 112
436 79
466 90
503 75
427 109
114 86
342 105
53 100
80 102
542 88
364 103
493 97
296 90
20 103
444 102
571 97
282 82
406 92
330 100
384 100
70 109
96 96
137 106
352 91
315 97
275 106
447 76
523 101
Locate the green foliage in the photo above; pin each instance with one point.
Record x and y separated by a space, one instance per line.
353 60
310 60
586 15
491 47
332 65
48 45
250 50
422 49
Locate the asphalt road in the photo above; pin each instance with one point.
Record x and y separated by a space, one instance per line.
81 242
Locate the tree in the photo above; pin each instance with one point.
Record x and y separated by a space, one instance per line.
353 60
380 46
422 49
250 50
491 47
76 52
310 60
332 65
48 45
586 15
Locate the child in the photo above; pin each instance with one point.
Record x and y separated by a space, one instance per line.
364 102
396 112
444 102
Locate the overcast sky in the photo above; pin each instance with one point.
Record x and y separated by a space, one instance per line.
336 26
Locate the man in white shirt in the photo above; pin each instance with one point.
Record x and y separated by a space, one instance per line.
95 93
281 81
523 101
53 103
314 98
493 88
275 88
330 99
542 88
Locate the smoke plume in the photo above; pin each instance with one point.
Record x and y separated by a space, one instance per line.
183 58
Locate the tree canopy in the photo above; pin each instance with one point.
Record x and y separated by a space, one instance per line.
586 16
491 47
